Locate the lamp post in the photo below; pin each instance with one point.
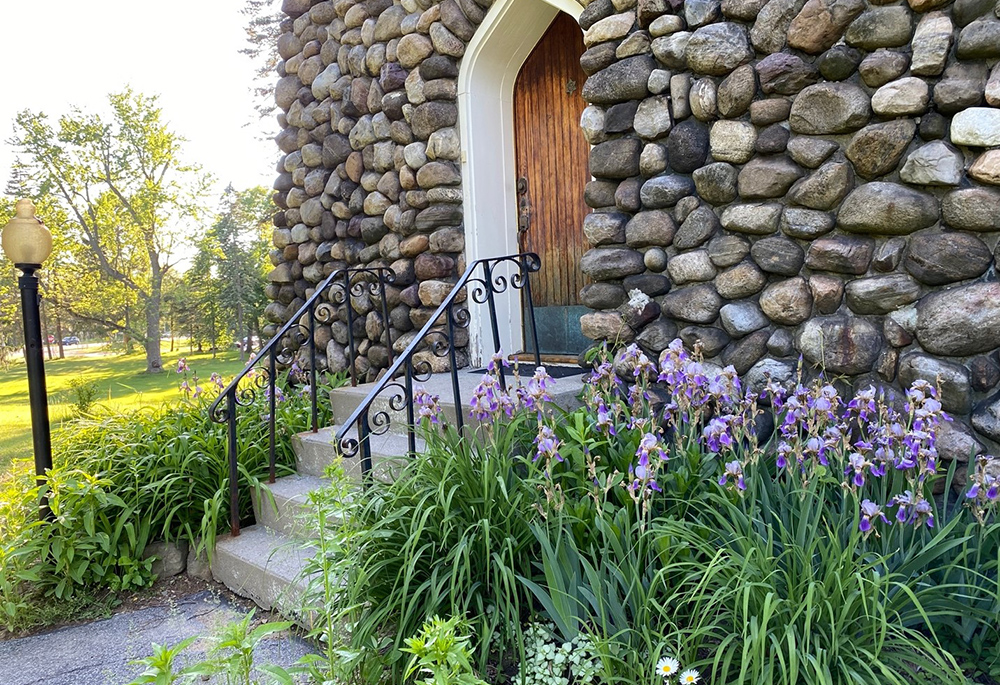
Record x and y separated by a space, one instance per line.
27 243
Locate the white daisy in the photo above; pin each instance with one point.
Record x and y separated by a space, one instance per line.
690 677
667 666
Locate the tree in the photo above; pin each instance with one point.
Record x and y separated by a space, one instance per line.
263 28
128 197
226 280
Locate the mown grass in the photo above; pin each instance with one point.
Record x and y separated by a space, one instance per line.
120 379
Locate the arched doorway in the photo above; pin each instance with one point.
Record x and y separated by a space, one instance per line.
487 78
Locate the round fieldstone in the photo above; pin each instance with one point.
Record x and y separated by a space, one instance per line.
882 66
616 159
742 280
727 250
888 254
769 111
934 164
627 79
691 267
610 263
742 318
698 227
742 354
652 117
781 343
718 49
961 321
961 88
702 99
657 336
839 62
827 292
986 418
887 209
772 140
687 146
736 92
976 127
980 40
985 373
806 224
655 259
820 24
651 284
826 108
754 218
671 50
881 294
951 379
650 229
986 168
772 23
695 304
605 326
787 302
604 228
665 191
785 74
881 27
824 188
653 159
778 255
876 150
941 258
902 97
709 339
767 177
732 141
931 43
841 254
716 183
972 209
811 152
602 295
840 344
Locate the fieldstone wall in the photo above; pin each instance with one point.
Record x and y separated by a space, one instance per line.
370 173
774 179
814 178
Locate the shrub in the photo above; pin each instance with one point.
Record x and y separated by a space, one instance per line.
123 479
83 394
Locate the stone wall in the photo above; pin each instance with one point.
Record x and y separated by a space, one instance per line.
792 177
776 179
370 172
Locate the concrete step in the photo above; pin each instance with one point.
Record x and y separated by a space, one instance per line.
315 452
264 566
284 511
346 399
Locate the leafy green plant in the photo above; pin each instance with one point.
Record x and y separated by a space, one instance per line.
159 666
441 653
83 393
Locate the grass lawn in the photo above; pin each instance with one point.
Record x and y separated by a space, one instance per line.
120 378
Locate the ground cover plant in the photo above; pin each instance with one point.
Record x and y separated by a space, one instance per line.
123 479
687 528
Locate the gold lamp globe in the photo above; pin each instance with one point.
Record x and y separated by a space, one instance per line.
25 240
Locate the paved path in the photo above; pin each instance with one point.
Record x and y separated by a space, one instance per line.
99 653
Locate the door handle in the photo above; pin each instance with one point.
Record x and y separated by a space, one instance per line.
523 206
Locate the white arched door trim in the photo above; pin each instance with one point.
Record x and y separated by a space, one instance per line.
486 78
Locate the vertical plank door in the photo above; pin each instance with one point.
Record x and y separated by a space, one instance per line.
552 167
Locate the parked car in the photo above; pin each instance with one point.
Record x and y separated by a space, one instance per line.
71 340
242 344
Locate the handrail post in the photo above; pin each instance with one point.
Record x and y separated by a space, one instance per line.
494 325
234 472
453 364
314 408
272 457
385 314
526 273
411 439
350 328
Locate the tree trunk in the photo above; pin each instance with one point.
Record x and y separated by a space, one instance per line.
59 335
154 362
171 330
45 329
244 344
128 327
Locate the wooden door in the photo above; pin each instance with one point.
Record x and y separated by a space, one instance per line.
552 168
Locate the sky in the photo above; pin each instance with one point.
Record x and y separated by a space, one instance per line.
62 53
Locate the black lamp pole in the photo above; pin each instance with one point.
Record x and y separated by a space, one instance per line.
41 437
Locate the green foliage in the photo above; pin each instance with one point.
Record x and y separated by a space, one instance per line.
547 661
84 393
122 480
230 659
449 536
441 653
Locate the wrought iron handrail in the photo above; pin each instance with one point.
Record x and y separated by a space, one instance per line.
343 284
481 290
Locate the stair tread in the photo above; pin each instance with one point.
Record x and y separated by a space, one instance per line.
278 555
296 487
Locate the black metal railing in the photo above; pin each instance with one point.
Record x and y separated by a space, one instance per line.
336 293
481 282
